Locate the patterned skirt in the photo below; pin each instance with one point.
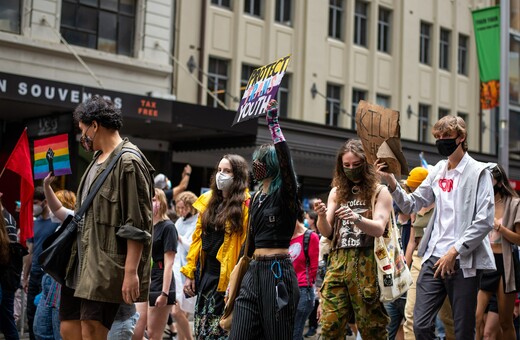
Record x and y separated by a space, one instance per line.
210 304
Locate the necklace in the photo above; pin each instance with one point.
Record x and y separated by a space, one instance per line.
261 198
355 190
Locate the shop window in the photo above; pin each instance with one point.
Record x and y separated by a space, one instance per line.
107 25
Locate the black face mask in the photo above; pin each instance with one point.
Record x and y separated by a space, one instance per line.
446 146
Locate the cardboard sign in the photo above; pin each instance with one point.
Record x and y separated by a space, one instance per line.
261 89
380 132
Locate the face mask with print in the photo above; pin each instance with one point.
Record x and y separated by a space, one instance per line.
156 206
259 170
354 174
223 181
86 142
306 223
37 210
168 185
447 146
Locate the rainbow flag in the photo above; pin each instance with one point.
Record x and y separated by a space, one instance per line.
59 147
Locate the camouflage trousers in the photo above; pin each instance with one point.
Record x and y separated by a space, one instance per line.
350 289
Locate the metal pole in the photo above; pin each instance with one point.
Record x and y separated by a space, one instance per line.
503 124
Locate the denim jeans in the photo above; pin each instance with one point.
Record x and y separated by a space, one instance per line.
123 329
35 287
7 324
395 310
46 319
305 307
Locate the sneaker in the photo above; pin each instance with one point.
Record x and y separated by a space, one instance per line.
310 332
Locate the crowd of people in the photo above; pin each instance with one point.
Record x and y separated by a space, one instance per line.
150 257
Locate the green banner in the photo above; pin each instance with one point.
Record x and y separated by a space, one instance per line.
486 23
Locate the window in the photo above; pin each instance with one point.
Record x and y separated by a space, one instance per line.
424 43
464 116
10 16
105 25
384 34
462 57
335 19
357 95
217 80
443 112
514 64
253 7
222 3
283 12
444 49
383 100
333 105
360 23
282 96
424 121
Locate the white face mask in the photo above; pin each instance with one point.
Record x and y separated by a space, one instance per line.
223 181
37 210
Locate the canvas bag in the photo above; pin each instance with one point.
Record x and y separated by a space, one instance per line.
235 280
393 275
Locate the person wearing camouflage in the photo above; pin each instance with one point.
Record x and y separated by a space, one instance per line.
350 286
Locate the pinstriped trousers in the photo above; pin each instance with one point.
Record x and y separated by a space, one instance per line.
255 315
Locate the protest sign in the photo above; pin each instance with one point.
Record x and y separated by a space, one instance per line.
51 154
261 89
380 133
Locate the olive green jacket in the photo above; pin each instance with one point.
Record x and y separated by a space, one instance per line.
120 211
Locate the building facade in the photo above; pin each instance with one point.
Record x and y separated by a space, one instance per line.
164 62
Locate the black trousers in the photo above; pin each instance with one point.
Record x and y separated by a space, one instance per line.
431 293
256 315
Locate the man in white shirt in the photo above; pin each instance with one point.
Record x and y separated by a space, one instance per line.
454 248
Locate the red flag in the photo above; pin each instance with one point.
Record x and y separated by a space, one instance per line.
20 162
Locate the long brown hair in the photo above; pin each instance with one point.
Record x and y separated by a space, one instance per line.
231 209
344 186
4 239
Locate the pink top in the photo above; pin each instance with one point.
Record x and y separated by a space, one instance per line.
298 258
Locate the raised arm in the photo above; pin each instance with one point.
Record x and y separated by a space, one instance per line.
54 203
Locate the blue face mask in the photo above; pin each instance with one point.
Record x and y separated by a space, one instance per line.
306 223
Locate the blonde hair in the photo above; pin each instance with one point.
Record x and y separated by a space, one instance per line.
448 124
188 198
163 203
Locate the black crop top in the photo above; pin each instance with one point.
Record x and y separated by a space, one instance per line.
273 217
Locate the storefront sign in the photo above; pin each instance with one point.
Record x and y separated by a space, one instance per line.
46 92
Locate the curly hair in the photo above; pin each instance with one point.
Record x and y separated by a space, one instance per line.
231 209
67 198
100 110
369 181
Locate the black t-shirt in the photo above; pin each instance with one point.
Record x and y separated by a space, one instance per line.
165 239
273 216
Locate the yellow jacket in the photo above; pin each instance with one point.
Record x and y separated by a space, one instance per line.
229 251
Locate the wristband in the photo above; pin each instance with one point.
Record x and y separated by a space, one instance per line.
164 294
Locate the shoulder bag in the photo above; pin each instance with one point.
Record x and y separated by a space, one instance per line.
235 279
393 275
57 247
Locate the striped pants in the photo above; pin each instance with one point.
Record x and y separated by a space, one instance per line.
255 315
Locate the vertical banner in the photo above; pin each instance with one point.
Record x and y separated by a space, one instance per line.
486 23
261 89
51 154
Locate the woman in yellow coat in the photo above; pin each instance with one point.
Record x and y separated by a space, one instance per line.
220 232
